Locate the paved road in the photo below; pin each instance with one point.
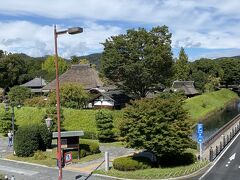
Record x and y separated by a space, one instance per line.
23 171
228 167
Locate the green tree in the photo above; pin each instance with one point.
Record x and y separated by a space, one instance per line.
181 67
18 94
49 66
231 67
159 125
74 60
139 59
104 121
72 96
5 122
84 61
212 84
51 112
201 70
12 68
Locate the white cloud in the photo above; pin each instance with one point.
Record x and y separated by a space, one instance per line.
206 23
37 40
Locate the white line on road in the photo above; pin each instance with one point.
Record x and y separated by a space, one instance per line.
17 170
216 160
229 162
226 165
232 157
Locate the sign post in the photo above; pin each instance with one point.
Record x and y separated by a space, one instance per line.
200 138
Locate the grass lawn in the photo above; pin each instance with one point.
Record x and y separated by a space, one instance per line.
200 106
155 173
74 119
51 158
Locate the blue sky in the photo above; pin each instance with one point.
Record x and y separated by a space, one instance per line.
206 28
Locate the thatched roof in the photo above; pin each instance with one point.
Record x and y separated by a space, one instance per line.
83 74
186 86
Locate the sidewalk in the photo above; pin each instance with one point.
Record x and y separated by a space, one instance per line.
90 166
4 149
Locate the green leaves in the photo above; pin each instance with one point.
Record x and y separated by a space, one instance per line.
104 122
138 59
158 125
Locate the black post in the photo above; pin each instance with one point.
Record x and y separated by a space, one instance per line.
211 154
224 141
12 123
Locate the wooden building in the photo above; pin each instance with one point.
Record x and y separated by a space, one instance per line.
186 86
36 85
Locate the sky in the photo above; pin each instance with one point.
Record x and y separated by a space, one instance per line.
206 28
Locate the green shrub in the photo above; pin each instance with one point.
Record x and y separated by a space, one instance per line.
86 148
18 94
104 121
37 101
5 122
39 155
29 139
46 137
131 163
89 135
177 159
26 141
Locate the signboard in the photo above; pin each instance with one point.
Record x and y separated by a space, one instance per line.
68 157
200 133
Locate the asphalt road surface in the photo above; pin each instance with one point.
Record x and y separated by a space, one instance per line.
228 166
23 171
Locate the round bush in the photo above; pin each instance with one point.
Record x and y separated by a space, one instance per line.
29 139
26 141
86 148
131 163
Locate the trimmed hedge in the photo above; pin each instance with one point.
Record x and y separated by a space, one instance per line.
178 160
29 139
86 148
131 163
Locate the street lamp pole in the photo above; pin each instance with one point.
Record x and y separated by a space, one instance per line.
74 30
13 117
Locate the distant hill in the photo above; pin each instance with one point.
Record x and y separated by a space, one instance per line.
93 58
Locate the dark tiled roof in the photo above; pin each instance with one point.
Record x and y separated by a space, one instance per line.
186 86
36 82
82 74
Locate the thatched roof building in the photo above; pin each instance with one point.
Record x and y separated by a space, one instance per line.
83 74
186 86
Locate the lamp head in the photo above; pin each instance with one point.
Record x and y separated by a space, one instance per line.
75 30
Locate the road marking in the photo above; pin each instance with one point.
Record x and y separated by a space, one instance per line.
18 170
232 157
229 162
239 167
226 165
219 157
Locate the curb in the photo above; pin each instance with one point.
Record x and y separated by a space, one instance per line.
28 163
174 178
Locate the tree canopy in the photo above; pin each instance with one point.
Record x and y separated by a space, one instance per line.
181 67
49 66
139 59
159 125
72 96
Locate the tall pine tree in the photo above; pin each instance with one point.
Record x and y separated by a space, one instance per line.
182 69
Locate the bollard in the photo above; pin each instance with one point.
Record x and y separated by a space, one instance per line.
227 138
210 154
224 141
216 151
106 161
5 177
221 145
12 178
233 133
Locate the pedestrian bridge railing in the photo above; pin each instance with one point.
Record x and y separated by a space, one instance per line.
217 142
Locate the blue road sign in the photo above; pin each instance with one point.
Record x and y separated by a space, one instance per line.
200 133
